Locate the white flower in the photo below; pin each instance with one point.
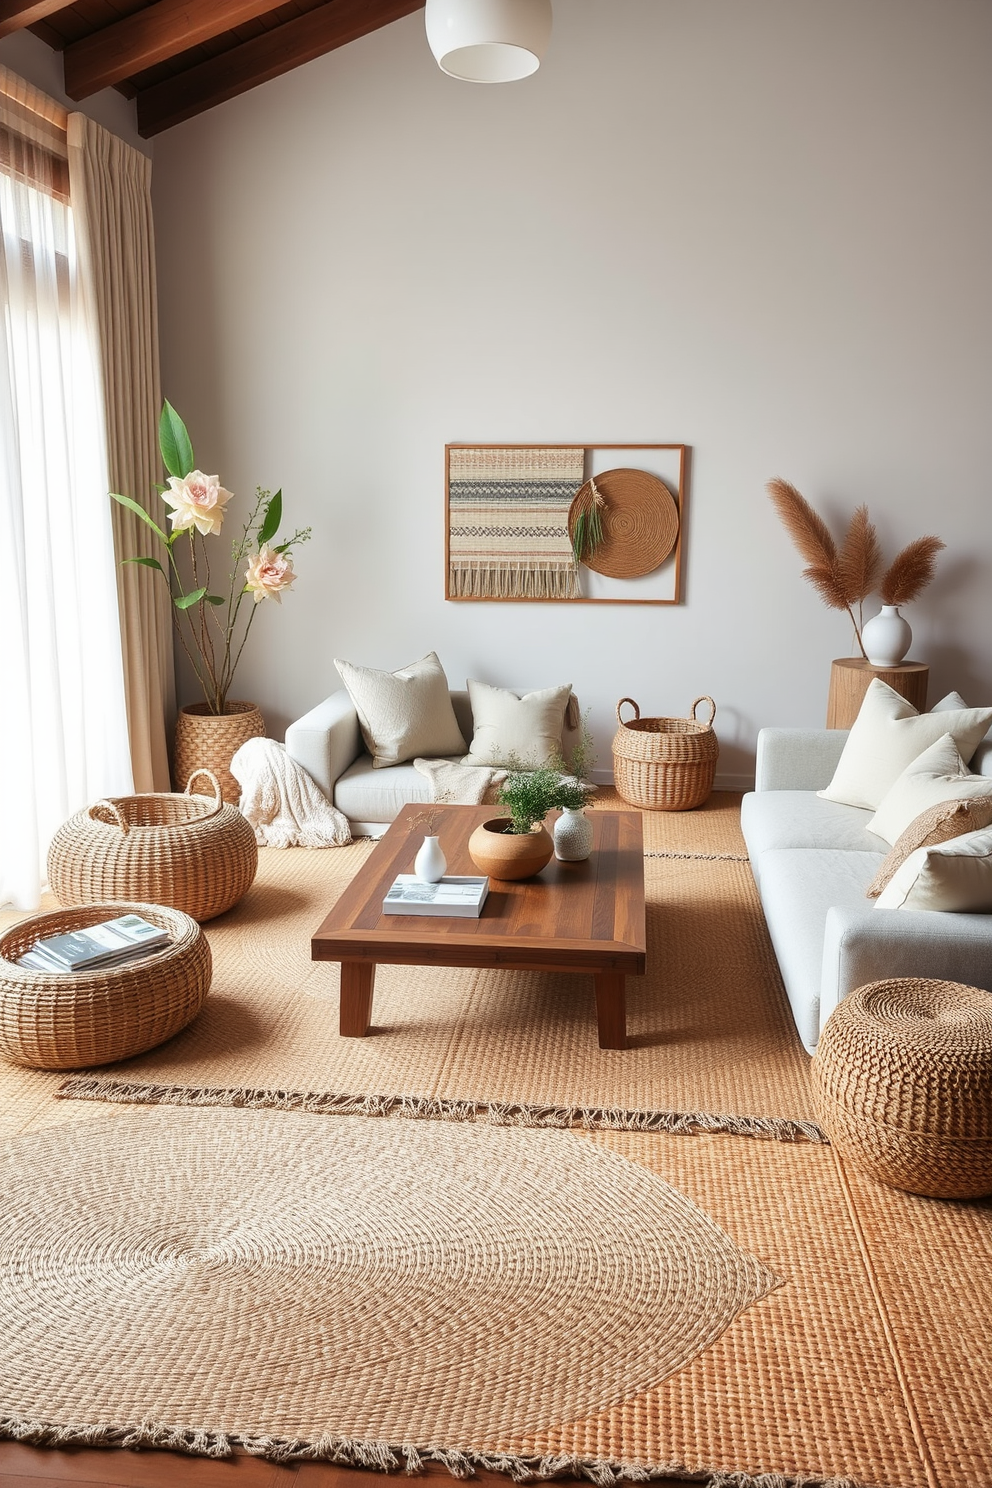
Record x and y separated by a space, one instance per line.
268 572
199 502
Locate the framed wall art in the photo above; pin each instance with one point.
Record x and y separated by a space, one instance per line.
569 524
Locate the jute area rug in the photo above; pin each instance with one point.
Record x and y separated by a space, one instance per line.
636 1263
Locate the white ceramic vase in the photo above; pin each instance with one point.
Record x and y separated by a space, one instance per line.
886 637
573 835
430 863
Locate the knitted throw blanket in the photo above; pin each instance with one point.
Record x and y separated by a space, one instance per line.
282 802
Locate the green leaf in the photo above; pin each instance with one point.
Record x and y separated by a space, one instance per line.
273 516
173 441
139 511
148 562
186 601
214 599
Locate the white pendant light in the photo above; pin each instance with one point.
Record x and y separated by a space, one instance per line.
488 41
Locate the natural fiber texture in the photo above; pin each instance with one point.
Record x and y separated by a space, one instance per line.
209 741
640 522
903 1082
508 522
58 1021
910 571
189 852
282 804
940 823
665 764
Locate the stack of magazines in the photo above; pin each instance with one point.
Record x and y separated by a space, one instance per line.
96 947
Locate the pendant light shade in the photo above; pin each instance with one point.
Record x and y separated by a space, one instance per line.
488 41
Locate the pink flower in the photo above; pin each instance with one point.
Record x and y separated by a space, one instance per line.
199 502
268 572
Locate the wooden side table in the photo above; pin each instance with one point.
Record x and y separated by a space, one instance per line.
849 679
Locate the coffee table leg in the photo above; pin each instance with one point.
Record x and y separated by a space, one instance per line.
357 981
611 1009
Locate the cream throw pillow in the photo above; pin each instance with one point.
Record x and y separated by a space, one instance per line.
510 729
405 713
935 825
938 774
887 735
955 876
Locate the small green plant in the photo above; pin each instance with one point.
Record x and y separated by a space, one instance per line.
528 795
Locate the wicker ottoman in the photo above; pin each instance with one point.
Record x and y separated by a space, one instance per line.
70 1020
902 1079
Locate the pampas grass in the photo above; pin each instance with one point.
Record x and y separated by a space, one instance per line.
910 571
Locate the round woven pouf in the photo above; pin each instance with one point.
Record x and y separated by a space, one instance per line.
902 1078
70 1020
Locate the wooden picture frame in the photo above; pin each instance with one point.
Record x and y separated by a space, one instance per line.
557 472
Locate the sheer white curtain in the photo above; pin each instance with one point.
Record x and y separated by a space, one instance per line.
63 727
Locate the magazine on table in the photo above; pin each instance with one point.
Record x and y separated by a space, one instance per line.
463 896
96 946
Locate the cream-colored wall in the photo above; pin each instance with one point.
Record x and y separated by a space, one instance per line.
759 227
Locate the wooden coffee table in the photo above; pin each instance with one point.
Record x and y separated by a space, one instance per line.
586 917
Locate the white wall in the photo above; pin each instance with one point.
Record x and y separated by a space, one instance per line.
759 227
30 58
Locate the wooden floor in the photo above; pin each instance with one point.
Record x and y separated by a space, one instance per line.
35 1467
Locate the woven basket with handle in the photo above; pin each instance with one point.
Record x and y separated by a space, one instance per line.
665 764
194 853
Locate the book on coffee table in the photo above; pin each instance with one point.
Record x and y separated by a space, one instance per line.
455 895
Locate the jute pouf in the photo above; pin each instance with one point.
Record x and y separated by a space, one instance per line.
902 1078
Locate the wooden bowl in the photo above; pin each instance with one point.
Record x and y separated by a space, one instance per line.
509 855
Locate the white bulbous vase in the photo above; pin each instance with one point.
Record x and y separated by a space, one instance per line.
573 835
887 637
430 864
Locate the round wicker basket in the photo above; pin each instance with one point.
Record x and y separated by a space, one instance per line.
209 741
902 1078
70 1020
192 853
665 764
640 522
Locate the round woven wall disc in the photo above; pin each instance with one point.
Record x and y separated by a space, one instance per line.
640 523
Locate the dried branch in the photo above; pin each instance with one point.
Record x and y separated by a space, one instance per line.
910 571
807 530
859 561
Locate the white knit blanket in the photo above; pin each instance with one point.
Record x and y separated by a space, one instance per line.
282 802
460 785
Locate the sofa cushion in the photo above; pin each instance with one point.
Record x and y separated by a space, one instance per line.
956 876
403 713
516 729
887 735
800 819
366 794
938 774
940 823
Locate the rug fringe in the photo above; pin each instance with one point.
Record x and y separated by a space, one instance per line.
385 1457
702 857
430 1108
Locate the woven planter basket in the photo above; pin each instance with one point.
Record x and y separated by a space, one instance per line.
209 741
192 853
71 1020
665 764
902 1078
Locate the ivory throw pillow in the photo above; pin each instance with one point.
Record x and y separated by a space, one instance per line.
405 713
512 729
938 774
887 735
955 876
937 824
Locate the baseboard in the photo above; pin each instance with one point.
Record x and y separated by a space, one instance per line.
722 782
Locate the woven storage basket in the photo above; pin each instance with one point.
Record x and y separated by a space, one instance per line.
902 1078
209 741
53 1020
190 852
665 764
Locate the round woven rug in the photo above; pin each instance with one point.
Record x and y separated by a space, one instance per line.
266 1273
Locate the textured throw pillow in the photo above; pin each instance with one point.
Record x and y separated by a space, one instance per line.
938 774
887 735
405 713
955 876
937 824
510 729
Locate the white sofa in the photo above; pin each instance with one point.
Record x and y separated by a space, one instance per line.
813 860
327 742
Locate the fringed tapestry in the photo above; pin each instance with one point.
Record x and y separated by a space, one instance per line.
508 534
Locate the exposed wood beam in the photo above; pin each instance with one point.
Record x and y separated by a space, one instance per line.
16 14
264 57
148 36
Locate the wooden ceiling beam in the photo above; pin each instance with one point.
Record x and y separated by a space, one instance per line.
263 58
16 14
148 36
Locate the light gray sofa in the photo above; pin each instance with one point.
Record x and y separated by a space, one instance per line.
328 743
813 860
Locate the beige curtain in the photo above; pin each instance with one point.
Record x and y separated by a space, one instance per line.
110 189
